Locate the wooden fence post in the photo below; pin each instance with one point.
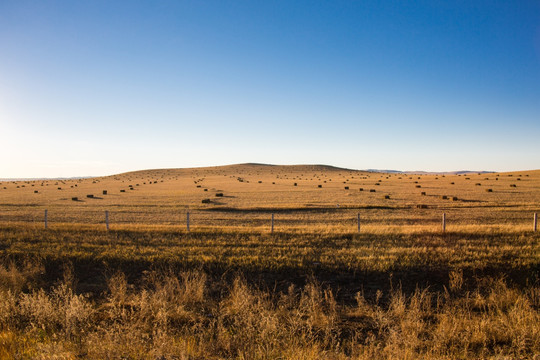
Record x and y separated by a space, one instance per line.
443 222
46 213
107 219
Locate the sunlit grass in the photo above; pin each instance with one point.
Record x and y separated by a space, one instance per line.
314 288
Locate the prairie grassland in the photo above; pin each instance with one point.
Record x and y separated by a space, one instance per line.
313 289
162 197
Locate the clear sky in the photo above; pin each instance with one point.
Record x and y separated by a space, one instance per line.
102 87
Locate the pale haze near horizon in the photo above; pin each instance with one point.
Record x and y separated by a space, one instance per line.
96 88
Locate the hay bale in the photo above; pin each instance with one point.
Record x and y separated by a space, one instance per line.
319 186
58 188
219 194
206 201
418 186
346 188
489 190
421 206
75 198
455 198
361 189
478 184
295 184
387 197
513 185
90 196
122 190
423 193
104 192
205 189
371 190
35 191
444 197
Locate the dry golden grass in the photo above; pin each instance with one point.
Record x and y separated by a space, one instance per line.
171 316
314 289
162 197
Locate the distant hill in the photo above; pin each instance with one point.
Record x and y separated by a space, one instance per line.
460 172
246 167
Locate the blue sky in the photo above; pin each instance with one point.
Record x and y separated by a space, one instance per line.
102 87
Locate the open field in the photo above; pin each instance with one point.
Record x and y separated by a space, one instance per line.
251 193
316 288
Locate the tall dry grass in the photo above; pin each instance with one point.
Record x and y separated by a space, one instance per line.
170 315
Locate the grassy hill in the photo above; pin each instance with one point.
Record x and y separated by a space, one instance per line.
316 287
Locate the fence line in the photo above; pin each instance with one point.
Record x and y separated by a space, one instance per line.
272 221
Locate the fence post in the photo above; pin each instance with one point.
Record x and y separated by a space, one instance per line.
272 229
187 221
358 221
535 221
46 213
107 219
443 222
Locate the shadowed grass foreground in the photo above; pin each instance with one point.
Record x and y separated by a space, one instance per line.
217 295
174 316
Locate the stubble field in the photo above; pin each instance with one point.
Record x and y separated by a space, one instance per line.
318 286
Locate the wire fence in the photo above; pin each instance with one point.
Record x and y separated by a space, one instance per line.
270 220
